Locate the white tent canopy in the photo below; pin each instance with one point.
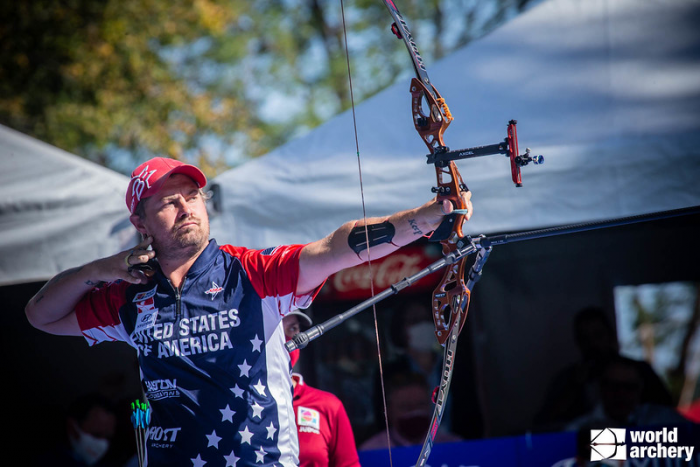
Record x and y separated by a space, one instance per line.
57 210
608 91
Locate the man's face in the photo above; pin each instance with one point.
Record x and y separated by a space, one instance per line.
291 326
621 391
176 218
99 423
409 411
596 341
90 438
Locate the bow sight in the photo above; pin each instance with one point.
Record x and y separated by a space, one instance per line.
509 146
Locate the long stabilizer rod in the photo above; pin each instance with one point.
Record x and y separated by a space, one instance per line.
467 246
585 226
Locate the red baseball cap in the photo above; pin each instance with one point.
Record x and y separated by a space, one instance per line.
147 178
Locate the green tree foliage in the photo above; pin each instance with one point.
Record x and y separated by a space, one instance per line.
90 76
123 80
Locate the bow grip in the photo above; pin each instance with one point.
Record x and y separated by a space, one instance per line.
444 229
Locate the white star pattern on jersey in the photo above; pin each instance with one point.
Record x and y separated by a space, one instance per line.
237 391
256 343
260 387
257 409
251 435
245 368
213 440
260 455
246 435
231 460
271 430
227 414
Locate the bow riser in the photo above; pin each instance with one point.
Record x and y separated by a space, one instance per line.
431 128
450 300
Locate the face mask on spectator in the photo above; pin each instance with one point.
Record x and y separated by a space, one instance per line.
88 448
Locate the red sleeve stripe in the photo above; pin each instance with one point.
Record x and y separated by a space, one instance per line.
98 313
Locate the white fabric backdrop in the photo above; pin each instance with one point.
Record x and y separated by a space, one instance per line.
57 210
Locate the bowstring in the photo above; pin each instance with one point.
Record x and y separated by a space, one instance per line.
364 218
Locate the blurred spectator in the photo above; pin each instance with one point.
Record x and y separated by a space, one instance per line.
574 391
417 351
621 400
91 424
409 411
325 434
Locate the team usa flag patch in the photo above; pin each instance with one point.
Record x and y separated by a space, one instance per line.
309 418
142 296
269 251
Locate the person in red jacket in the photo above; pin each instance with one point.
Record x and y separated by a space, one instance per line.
325 434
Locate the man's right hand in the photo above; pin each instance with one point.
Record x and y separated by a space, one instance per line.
52 309
120 266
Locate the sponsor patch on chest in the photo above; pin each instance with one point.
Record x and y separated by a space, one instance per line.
142 296
146 310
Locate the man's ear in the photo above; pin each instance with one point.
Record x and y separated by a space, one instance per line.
138 223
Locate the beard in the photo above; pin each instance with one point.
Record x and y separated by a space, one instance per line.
190 236
183 242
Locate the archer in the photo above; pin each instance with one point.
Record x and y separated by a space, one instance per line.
205 318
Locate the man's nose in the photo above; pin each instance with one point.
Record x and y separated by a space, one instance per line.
183 207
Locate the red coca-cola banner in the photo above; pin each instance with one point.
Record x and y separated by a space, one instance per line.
354 283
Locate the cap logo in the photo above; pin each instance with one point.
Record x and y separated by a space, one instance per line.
139 183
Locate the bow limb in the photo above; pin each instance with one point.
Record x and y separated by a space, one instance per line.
440 396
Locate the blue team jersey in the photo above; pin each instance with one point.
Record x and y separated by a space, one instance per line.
211 354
